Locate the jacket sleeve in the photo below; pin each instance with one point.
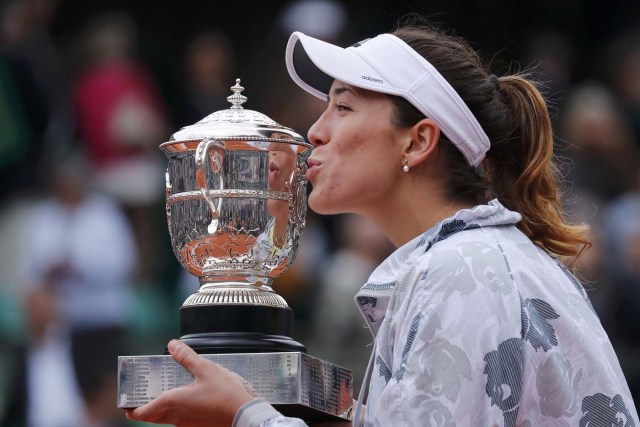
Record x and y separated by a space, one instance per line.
259 413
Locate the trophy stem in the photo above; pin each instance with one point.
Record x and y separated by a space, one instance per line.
242 282
222 293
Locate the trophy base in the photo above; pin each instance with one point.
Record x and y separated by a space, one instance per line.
223 343
252 341
294 383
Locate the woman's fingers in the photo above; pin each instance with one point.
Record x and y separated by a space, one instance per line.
187 357
215 394
159 420
155 410
167 406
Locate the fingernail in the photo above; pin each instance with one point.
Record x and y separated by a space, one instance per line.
174 345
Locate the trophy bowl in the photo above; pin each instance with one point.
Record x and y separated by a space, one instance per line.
236 206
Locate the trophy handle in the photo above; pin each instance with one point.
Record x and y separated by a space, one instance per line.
201 179
298 200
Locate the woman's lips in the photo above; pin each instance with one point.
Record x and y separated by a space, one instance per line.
313 167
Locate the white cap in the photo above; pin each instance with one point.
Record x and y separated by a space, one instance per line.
387 64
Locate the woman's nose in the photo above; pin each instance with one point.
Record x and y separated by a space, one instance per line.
317 134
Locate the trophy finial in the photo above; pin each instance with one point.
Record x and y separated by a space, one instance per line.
236 99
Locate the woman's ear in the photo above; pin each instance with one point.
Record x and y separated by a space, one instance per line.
424 139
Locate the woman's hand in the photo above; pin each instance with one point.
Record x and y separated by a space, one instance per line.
212 399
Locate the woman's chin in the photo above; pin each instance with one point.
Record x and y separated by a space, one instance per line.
319 205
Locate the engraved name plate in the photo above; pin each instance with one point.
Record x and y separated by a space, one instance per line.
308 387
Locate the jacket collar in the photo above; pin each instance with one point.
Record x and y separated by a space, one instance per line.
373 297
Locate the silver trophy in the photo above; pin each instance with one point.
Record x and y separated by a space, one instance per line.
236 207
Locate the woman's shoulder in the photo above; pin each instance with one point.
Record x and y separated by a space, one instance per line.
471 254
498 265
464 270
502 249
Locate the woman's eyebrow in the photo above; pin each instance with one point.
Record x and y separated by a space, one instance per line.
341 89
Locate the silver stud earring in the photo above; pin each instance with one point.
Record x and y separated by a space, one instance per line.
405 168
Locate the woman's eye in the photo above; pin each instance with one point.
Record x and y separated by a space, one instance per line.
342 107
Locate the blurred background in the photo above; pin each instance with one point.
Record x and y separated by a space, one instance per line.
88 91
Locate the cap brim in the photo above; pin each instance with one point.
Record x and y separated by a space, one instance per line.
313 65
388 65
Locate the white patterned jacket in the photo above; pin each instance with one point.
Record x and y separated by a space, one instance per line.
476 326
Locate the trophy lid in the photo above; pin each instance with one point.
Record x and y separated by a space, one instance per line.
236 123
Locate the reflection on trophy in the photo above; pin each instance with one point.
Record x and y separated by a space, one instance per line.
236 206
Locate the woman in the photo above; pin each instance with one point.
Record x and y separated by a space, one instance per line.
477 322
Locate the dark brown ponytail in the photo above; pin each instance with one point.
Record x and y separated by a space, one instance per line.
519 168
523 173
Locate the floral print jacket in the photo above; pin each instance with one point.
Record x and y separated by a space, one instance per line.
476 326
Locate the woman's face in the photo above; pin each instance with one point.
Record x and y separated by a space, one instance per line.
358 156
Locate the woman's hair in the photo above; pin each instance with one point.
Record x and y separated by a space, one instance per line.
519 167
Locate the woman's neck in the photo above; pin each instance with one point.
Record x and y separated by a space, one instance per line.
413 211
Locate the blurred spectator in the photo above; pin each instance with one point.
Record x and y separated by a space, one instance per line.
583 207
23 112
41 89
624 70
209 65
323 19
121 119
23 121
551 53
339 332
599 141
43 383
622 231
272 91
79 245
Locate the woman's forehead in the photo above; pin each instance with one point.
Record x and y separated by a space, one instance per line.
338 87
